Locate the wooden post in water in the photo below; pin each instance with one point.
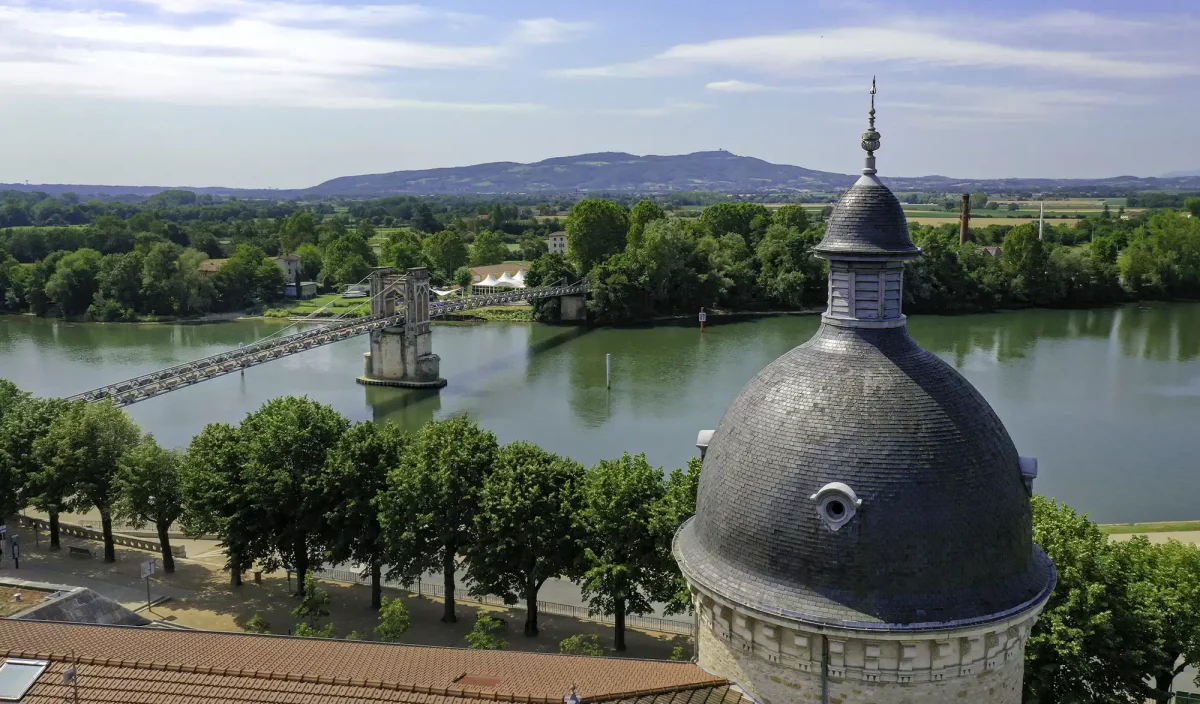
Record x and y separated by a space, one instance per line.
608 371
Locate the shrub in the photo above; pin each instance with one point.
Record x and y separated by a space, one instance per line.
485 635
393 620
581 645
257 624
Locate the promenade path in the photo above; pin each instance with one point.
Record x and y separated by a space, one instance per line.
201 597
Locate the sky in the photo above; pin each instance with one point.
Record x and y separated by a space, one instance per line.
289 93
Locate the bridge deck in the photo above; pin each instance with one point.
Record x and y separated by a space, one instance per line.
157 383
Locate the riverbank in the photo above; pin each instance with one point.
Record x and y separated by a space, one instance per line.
1147 528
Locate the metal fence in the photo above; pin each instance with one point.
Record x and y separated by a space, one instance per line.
650 623
1187 698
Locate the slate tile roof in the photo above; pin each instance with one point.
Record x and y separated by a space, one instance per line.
944 533
867 220
125 665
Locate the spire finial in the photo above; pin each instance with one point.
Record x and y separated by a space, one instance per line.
870 138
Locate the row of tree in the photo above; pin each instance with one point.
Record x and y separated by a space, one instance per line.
296 486
642 263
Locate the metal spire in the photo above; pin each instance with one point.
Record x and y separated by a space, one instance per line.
870 138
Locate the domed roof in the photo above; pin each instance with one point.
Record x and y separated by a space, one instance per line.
867 220
943 532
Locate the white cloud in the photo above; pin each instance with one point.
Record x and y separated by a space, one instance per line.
736 86
547 30
670 107
912 43
295 12
253 53
961 103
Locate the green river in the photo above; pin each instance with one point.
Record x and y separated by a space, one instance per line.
1107 400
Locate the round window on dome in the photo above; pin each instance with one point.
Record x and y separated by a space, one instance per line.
836 504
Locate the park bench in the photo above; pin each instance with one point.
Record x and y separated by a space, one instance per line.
82 552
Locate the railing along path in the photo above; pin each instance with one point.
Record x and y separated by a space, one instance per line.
157 383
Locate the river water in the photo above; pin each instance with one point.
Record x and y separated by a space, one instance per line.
1107 400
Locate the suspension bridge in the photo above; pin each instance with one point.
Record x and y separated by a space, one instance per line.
400 353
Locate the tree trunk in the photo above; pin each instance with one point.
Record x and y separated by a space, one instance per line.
619 630
110 548
448 576
54 545
531 609
300 553
376 586
1164 683
164 540
235 569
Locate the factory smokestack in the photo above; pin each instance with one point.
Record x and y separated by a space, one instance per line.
965 219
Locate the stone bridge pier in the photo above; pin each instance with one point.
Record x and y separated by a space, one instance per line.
573 308
402 356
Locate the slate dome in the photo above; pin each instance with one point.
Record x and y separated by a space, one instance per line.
859 481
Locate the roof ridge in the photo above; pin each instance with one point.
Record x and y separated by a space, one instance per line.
346 681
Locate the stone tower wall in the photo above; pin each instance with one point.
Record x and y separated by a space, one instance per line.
779 661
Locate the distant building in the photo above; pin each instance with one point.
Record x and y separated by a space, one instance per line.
290 263
303 291
557 242
996 252
211 266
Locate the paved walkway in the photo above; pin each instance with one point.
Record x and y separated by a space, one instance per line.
201 597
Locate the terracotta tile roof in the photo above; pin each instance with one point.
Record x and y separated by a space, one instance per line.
127 665
498 269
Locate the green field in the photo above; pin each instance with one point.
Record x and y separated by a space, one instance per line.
1163 527
350 307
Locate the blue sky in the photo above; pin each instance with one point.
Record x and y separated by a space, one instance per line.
288 93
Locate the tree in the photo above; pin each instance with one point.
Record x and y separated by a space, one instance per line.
300 229
75 281
303 630
1164 588
314 602
533 247
525 527
1026 262
215 498
791 216
549 269
45 487
403 250
596 229
581 645
285 445
445 252
978 201
1192 205
623 565
488 249
750 220
485 635
463 277
347 260
789 270
642 213
354 476
678 503
1088 645
257 624
424 220
311 261
85 446
149 488
393 620
12 400
428 510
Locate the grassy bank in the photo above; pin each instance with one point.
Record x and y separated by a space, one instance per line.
519 314
338 306
1162 527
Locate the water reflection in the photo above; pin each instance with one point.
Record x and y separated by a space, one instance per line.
1106 399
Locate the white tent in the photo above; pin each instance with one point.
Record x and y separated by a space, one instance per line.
489 280
519 278
506 281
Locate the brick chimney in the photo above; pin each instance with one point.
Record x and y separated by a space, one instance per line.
965 219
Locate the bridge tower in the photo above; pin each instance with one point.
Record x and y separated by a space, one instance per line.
402 355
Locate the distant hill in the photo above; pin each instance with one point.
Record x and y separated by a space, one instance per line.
618 172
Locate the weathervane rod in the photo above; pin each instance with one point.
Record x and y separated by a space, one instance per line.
870 138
